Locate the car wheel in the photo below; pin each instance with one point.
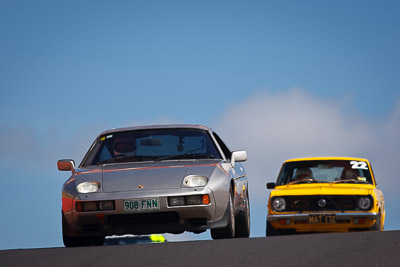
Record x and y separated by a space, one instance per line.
243 220
271 231
229 230
96 240
79 241
83 241
68 241
378 223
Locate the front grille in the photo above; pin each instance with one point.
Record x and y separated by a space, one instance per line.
143 218
310 203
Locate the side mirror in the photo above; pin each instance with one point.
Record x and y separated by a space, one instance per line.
66 165
270 185
238 156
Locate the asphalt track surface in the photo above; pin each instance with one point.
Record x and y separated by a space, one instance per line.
347 249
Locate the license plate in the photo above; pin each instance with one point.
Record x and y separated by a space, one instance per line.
322 218
145 204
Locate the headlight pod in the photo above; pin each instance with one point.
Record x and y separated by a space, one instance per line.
365 203
194 181
88 187
279 204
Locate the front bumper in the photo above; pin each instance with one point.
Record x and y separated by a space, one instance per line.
168 219
344 221
304 216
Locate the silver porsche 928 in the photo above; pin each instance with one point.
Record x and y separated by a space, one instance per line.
155 179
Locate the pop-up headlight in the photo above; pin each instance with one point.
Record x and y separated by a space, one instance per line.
194 181
88 187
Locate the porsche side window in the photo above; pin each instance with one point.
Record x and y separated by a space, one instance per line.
224 147
105 154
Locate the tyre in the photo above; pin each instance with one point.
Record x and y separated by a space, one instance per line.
70 241
271 231
378 223
82 241
67 240
79 241
229 230
242 220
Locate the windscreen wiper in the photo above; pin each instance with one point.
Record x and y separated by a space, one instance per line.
185 156
308 181
349 181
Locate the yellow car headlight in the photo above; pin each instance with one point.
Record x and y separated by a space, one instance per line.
365 203
279 204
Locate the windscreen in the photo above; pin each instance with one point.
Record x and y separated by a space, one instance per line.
151 145
325 171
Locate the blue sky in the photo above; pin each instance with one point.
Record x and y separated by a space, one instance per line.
261 73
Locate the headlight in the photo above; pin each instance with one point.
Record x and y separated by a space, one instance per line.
365 203
194 180
88 187
279 204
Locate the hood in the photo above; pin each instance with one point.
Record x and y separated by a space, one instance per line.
152 176
323 189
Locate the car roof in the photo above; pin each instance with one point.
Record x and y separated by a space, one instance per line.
151 127
326 158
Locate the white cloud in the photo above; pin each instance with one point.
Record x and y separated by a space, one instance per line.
273 128
293 123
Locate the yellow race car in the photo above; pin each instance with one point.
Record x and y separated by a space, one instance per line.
325 194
